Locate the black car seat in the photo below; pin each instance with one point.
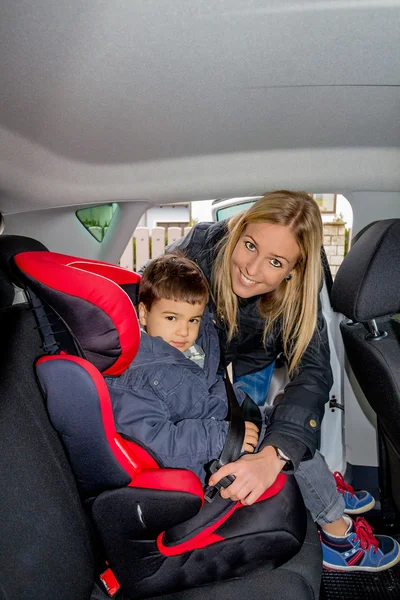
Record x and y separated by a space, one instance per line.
45 540
299 576
367 291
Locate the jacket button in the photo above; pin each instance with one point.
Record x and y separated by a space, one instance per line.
313 423
155 382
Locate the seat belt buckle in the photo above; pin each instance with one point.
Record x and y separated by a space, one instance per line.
210 493
225 482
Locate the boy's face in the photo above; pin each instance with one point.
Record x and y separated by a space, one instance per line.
177 323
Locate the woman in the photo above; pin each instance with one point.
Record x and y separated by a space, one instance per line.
264 271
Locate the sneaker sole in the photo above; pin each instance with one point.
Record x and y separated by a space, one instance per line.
330 567
361 510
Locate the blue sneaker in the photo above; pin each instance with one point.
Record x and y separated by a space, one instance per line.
356 502
359 549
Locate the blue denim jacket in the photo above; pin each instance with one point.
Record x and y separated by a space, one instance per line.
171 405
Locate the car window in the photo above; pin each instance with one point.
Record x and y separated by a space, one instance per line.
97 219
229 211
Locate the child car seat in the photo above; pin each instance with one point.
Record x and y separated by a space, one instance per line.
157 534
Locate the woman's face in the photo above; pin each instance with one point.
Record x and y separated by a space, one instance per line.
264 255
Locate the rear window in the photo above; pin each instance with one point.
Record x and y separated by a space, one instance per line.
97 219
229 211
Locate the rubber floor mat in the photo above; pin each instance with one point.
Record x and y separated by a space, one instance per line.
362 586
384 585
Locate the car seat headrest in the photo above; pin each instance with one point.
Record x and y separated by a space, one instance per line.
88 297
367 284
10 245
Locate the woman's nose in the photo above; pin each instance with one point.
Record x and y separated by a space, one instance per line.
253 266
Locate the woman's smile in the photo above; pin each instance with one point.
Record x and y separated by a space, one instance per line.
246 280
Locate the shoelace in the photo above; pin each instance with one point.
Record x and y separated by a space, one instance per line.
364 533
341 485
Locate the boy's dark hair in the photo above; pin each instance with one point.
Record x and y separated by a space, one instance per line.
173 277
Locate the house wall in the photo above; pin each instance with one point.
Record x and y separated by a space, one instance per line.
334 244
158 215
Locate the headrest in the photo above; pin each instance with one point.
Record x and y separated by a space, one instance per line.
10 245
367 284
87 295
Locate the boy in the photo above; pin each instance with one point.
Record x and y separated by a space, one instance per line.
171 398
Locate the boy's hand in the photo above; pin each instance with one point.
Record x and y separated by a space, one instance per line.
250 437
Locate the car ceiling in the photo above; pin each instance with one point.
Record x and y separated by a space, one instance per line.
161 100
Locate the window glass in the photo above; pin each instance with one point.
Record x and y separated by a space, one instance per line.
229 211
97 219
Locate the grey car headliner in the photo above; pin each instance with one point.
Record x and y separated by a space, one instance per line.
184 99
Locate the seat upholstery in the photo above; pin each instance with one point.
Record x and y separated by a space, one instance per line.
45 544
367 291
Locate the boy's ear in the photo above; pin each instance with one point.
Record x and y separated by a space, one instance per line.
142 314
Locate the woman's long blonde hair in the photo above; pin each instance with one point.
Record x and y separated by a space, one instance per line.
293 306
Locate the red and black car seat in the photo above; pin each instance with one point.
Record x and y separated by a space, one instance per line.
157 533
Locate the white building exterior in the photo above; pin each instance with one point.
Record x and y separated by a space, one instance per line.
171 215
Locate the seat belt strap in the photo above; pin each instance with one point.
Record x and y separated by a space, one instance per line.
234 439
50 345
235 436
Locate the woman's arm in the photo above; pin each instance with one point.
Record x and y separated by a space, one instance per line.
295 424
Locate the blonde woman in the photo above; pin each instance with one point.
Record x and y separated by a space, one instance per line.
264 271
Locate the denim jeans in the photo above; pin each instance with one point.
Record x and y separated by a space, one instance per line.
316 482
317 486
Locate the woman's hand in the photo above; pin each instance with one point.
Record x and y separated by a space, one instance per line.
250 437
254 473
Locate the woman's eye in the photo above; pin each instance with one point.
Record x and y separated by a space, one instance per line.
171 318
276 263
250 246
194 320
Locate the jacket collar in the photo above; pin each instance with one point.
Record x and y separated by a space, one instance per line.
155 349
